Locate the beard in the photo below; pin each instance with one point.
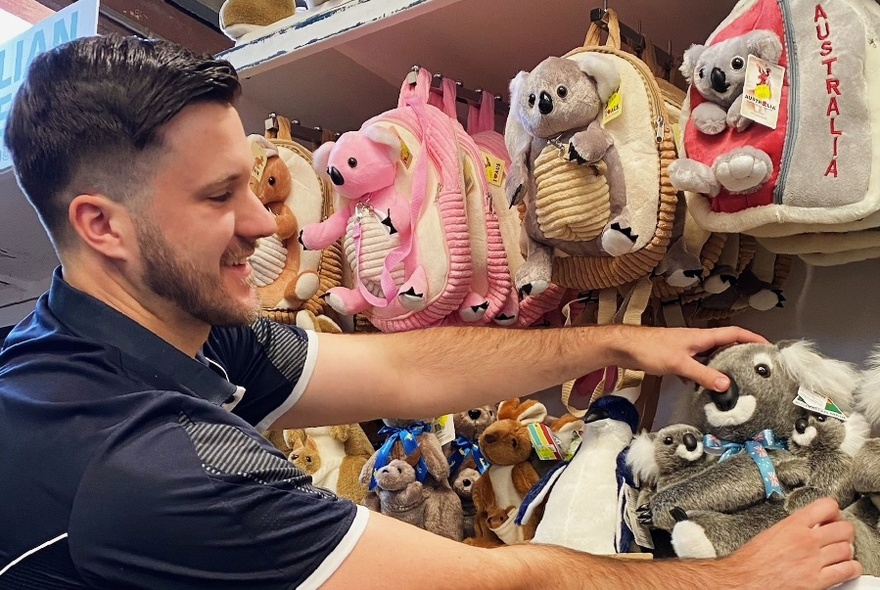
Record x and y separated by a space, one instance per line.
196 291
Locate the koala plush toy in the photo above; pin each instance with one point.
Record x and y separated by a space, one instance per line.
743 423
718 73
565 167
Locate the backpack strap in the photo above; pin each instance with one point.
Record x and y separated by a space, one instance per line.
419 188
482 117
594 34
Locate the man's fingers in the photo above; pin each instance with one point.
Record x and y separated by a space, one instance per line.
838 573
706 376
735 335
835 532
837 552
822 511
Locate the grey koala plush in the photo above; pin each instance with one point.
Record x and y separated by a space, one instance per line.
666 457
463 484
765 379
554 130
718 73
825 444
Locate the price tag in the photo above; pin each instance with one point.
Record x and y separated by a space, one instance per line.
817 403
614 107
762 92
444 428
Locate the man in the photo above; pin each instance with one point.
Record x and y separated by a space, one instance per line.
131 398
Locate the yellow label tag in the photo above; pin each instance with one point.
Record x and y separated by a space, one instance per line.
405 155
444 428
260 160
762 92
614 107
494 169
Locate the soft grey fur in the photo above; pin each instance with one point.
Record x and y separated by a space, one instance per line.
817 440
865 512
735 484
575 123
666 467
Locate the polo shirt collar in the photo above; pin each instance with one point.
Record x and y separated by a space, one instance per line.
90 318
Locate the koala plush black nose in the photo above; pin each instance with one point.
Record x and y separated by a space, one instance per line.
726 400
474 414
719 80
335 176
596 414
801 425
545 105
690 441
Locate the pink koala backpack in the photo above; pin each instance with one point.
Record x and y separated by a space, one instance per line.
819 168
402 215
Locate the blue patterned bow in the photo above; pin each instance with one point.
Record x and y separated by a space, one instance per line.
461 448
407 437
757 449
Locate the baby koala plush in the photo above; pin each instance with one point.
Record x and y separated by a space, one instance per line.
718 72
666 457
363 166
565 167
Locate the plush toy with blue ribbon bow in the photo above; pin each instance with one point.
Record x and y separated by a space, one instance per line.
442 506
755 472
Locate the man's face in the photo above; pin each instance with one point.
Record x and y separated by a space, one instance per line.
201 221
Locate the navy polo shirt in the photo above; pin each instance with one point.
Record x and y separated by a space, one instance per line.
127 464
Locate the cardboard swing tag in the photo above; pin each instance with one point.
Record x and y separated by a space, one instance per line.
405 154
818 404
444 428
762 91
614 107
260 160
494 169
544 443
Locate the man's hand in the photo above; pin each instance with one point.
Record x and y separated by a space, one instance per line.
811 549
671 351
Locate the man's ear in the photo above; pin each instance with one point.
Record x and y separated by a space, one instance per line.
102 225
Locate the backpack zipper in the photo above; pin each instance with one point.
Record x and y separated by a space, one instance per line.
791 124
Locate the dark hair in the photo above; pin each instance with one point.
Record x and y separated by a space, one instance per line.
89 117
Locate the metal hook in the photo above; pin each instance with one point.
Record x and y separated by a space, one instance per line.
604 5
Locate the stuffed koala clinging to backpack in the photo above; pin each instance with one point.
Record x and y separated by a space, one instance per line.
565 167
718 73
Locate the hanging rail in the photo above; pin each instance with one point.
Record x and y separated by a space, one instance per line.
636 40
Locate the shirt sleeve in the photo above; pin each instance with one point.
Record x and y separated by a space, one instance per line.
200 505
270 362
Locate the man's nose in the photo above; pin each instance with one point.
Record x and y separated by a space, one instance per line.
257 221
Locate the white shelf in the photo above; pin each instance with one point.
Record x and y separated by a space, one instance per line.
340 68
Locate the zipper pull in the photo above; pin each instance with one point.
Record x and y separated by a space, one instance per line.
659 136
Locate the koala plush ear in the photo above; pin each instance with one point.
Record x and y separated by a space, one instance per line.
518 142
824 376
689 61
384 136
764 44
321 157
868 395
640 458
603 71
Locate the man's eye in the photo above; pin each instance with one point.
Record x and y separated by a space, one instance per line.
221 198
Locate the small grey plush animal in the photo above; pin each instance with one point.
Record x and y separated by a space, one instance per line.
666 457
765 379
864 513
718 72
464 487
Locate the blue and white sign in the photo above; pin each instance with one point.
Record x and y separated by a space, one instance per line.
77 20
